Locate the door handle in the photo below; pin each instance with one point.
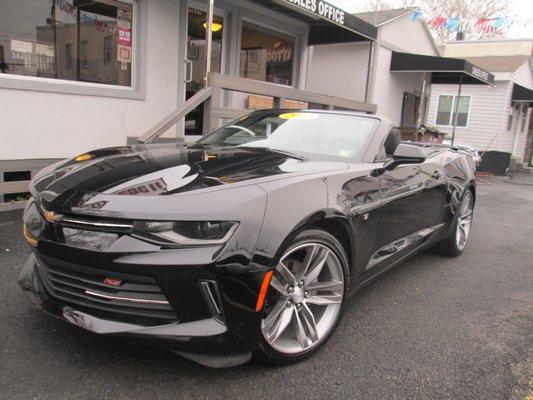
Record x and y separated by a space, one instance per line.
188 71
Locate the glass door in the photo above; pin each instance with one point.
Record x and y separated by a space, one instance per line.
195 62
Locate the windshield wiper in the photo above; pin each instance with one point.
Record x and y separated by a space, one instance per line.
278 151
197 145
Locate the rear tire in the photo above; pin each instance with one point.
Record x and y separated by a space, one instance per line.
306 299
455 243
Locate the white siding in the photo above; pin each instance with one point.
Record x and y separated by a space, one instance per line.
338 70
487 120
389 87
56 125
408 35
523 76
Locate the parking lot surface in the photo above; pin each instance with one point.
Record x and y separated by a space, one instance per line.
434 327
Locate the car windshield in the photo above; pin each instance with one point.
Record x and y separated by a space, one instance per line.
308 134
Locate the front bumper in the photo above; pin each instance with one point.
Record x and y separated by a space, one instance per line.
202 338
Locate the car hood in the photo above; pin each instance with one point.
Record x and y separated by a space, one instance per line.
163 170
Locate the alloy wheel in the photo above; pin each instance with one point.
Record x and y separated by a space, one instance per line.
305 297
464 223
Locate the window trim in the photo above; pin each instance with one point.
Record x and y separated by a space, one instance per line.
454 96
136 91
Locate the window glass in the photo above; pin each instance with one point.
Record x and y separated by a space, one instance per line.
462 110
444 110
266 55
77 40
315 135
196 65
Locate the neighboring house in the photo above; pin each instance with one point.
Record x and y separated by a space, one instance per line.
490 118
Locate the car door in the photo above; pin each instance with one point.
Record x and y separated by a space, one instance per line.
360 199
412 197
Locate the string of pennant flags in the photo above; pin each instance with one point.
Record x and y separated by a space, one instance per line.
482 25
69 9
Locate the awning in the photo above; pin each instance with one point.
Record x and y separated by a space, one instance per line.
443 69
327 23
522 94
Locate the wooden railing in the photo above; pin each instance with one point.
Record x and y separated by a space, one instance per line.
214 110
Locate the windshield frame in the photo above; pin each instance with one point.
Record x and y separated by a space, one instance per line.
259 114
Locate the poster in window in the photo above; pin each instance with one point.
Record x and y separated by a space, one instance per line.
124 41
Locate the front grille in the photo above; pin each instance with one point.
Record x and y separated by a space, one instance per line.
135 299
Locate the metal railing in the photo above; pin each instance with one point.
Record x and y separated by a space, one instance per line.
214 110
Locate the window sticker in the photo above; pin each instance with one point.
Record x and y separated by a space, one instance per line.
297 115
344 153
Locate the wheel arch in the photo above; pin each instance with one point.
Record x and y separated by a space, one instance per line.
330 221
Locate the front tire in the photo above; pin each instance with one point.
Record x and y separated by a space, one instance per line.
306 298
455 244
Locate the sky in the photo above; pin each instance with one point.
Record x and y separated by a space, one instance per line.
519 7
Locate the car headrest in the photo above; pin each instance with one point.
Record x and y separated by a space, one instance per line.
393 140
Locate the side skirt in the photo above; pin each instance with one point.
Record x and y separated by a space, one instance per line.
423 245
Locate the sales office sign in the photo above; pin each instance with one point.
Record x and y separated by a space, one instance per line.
321 8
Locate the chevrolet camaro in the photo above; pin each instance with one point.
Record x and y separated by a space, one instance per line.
246 243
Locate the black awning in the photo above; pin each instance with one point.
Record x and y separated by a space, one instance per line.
443 69
522 94
327 23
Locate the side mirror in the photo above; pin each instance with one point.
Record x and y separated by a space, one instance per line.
406 154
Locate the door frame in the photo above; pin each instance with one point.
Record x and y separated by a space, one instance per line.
225 13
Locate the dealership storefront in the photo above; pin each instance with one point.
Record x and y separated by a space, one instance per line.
82 74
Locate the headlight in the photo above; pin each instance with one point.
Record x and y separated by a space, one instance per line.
185 233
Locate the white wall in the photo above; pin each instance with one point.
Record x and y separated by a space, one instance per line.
408 35
338 70
389 87
489 47
54 125
487 120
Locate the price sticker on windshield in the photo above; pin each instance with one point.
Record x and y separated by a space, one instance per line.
296 115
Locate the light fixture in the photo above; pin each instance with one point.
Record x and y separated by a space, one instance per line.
216 26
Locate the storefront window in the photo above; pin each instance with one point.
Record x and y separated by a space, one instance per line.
78 40
266 55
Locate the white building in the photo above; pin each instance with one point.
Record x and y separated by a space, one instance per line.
397 96
491 118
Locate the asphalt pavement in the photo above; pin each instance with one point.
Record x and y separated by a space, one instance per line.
434 327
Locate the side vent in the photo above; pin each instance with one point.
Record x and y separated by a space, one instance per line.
212 298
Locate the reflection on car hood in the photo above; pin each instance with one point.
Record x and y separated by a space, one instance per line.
155 170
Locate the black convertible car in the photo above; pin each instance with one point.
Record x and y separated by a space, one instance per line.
245 243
